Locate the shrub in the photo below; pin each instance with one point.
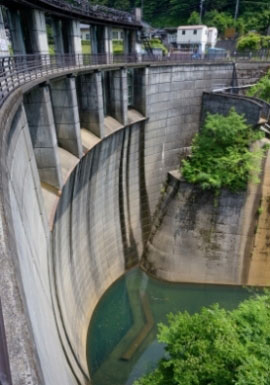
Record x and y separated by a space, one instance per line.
221 155
216 346
261 89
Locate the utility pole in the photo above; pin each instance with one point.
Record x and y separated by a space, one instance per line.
236 9
201 10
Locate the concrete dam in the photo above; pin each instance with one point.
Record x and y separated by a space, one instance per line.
88 159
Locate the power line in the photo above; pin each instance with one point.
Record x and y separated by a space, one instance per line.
236 9
201 10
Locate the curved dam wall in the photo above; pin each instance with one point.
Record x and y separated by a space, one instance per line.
52 282
104 215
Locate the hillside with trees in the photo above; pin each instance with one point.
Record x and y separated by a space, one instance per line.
253 15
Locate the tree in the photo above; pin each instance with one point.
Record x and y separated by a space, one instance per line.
216 346
261 89
221 155
123 5
220 20
194 18
250 42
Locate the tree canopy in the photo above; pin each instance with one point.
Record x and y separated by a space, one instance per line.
253 15
221 155
216 346
261 89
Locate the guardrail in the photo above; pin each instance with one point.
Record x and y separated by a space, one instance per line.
16 71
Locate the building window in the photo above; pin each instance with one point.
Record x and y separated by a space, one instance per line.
183 32
115 35
195 32
122 35
88 36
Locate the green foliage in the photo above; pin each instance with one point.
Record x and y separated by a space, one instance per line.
253 41
118 47
165 13
156 43
262 89
220 20
221 156
194 18
86 47
216 346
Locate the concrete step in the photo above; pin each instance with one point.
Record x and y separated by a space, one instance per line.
68 162
111 125
89 139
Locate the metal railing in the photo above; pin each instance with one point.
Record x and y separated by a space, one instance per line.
16 71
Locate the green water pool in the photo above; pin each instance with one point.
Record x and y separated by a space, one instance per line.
121 343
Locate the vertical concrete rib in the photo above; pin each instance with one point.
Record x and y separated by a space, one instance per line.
66 115
39 112
141 78
14 21
37 32
119 95
58 36
91 103
93 36
72 38
108 43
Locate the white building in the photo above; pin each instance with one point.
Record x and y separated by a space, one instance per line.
212 37
85 32
117 34
196 38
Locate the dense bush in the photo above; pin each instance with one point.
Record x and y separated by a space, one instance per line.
216 347
221 155
252 42
262 89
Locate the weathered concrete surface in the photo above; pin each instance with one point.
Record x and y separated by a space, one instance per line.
119 95
107 205
222 104
43 134
249 73
25 254
14 21
259 265
199 238
36 39
91 103
103 219
66 115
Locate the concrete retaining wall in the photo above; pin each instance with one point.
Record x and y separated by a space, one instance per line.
222 104
199 238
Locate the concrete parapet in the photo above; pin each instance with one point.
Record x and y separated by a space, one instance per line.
91 103
222 103
66 115
43 134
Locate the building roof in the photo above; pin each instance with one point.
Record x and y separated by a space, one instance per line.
192 27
